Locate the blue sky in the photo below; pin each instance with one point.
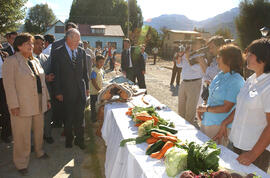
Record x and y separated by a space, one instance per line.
193 9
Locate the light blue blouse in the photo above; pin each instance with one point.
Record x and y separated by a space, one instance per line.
225 86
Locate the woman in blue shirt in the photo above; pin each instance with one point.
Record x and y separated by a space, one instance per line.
223 91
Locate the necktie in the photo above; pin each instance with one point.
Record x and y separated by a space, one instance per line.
73 59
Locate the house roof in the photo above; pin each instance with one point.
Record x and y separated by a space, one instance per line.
182 31
110 30
55 24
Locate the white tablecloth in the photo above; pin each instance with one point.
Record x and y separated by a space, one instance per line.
131 162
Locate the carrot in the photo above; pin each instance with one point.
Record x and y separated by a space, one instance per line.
164 149
129 113
168 138
171 135
156 134
144 118
155 119
151 140
130 109
155 155
138 125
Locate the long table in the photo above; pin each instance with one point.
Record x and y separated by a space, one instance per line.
130 161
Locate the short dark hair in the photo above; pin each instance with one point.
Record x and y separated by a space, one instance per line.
73 25
99 57
22 38
261 49
11 33
232 57
39 37
217 40
49 38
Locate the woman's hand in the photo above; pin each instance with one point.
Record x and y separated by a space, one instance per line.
202 109
221 133
247 158
199 114
15 111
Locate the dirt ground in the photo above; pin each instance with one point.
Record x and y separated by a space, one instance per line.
75 163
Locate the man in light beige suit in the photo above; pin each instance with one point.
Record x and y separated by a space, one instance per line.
27 99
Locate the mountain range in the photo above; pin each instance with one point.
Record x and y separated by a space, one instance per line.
181 22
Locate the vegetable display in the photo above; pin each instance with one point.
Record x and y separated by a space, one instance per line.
198 161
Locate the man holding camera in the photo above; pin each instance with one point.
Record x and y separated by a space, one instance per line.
193 68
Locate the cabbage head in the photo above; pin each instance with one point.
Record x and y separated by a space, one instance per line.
175 161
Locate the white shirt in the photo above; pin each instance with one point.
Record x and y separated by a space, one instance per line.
189 72
211 71
130 61
253 101
1 64
47 50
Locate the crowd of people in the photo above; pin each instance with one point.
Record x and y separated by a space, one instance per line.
228 109
45 83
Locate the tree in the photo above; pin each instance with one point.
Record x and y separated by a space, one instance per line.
254 14
225 32
107 12
152 39
12 12
39 18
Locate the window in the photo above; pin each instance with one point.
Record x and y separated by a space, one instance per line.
98 30
59 29
114 44
98 43
187 36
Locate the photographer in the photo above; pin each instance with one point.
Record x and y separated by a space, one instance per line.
192 73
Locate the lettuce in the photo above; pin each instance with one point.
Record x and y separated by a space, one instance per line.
175 161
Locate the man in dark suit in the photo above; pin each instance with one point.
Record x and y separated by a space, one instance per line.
4 113
57 107
45 62
72 86
133 64
10 39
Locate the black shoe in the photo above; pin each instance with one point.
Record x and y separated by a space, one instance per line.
80 144
23 172
44 156
6 139
49 140
68 145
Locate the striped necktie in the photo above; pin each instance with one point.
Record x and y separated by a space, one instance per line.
73 58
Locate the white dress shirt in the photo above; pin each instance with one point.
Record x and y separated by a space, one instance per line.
130 61
47 50
189 72
253 101
211 70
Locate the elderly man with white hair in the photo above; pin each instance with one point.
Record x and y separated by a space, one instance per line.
72 86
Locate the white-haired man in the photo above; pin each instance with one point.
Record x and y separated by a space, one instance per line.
72 86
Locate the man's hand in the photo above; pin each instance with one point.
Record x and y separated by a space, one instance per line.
59 98
15 111
124 73
50 77
201 108
143 72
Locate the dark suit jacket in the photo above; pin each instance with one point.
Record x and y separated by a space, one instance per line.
8 50
138 63
70 81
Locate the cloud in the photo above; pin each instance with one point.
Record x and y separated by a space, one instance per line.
29 4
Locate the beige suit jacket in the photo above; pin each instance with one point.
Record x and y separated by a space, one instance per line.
21 86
